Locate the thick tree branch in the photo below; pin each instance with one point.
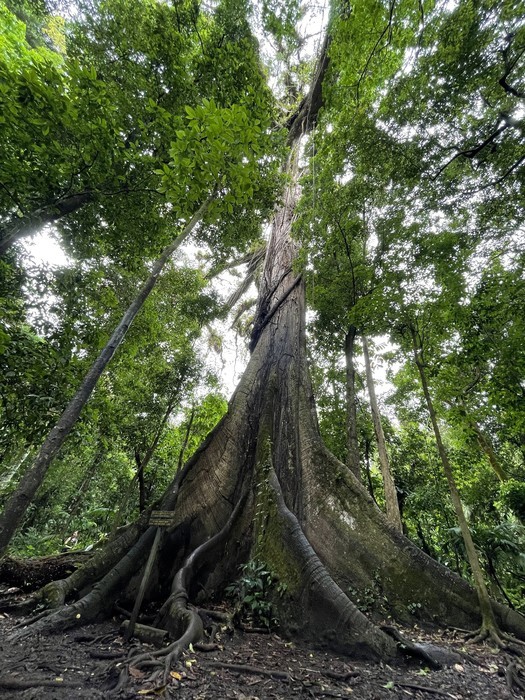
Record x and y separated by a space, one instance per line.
305 117
21 227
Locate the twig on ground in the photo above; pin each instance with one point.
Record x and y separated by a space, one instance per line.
106 654
246 668
13 683
339 676
426 688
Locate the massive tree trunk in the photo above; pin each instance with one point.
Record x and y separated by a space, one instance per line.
264 486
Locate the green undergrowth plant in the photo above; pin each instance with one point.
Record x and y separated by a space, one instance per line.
370 598
252 594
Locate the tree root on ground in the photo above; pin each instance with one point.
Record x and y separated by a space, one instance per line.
343 677
8 682
501 640
155 636
105 655
281 675
320 592
434 655
425 688
512 677
89 607
246 668
218 615
182 621
23 607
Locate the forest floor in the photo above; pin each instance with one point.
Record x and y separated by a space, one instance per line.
84 664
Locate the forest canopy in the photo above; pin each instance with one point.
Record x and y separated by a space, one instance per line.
155 143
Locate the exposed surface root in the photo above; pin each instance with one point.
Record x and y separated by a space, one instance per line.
14 683
82 659
512 677
500 639
16 607
182 621
246 668
323 601
435 656
425 688
151 635
97 601
34 618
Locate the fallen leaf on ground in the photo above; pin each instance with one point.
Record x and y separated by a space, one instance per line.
135 672
152 691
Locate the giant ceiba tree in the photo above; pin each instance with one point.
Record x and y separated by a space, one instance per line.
263 485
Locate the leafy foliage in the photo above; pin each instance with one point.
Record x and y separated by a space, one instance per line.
252 594
410 225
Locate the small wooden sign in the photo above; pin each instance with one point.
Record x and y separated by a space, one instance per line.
162 518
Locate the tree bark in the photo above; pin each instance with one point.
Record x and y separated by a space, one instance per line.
264 486
30 224
392 506
353 460
20 499
488 622
303 513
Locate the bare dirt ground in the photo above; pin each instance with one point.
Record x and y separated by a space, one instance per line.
85 664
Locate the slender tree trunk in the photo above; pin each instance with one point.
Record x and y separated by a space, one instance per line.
422 539
143 463
487 614
392 507
20 499
75 505
140 479
352 444
368 472
486 445
186 438
123 504
32 223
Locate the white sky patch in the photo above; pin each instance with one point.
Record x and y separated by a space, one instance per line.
44 248
345 176
229 359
